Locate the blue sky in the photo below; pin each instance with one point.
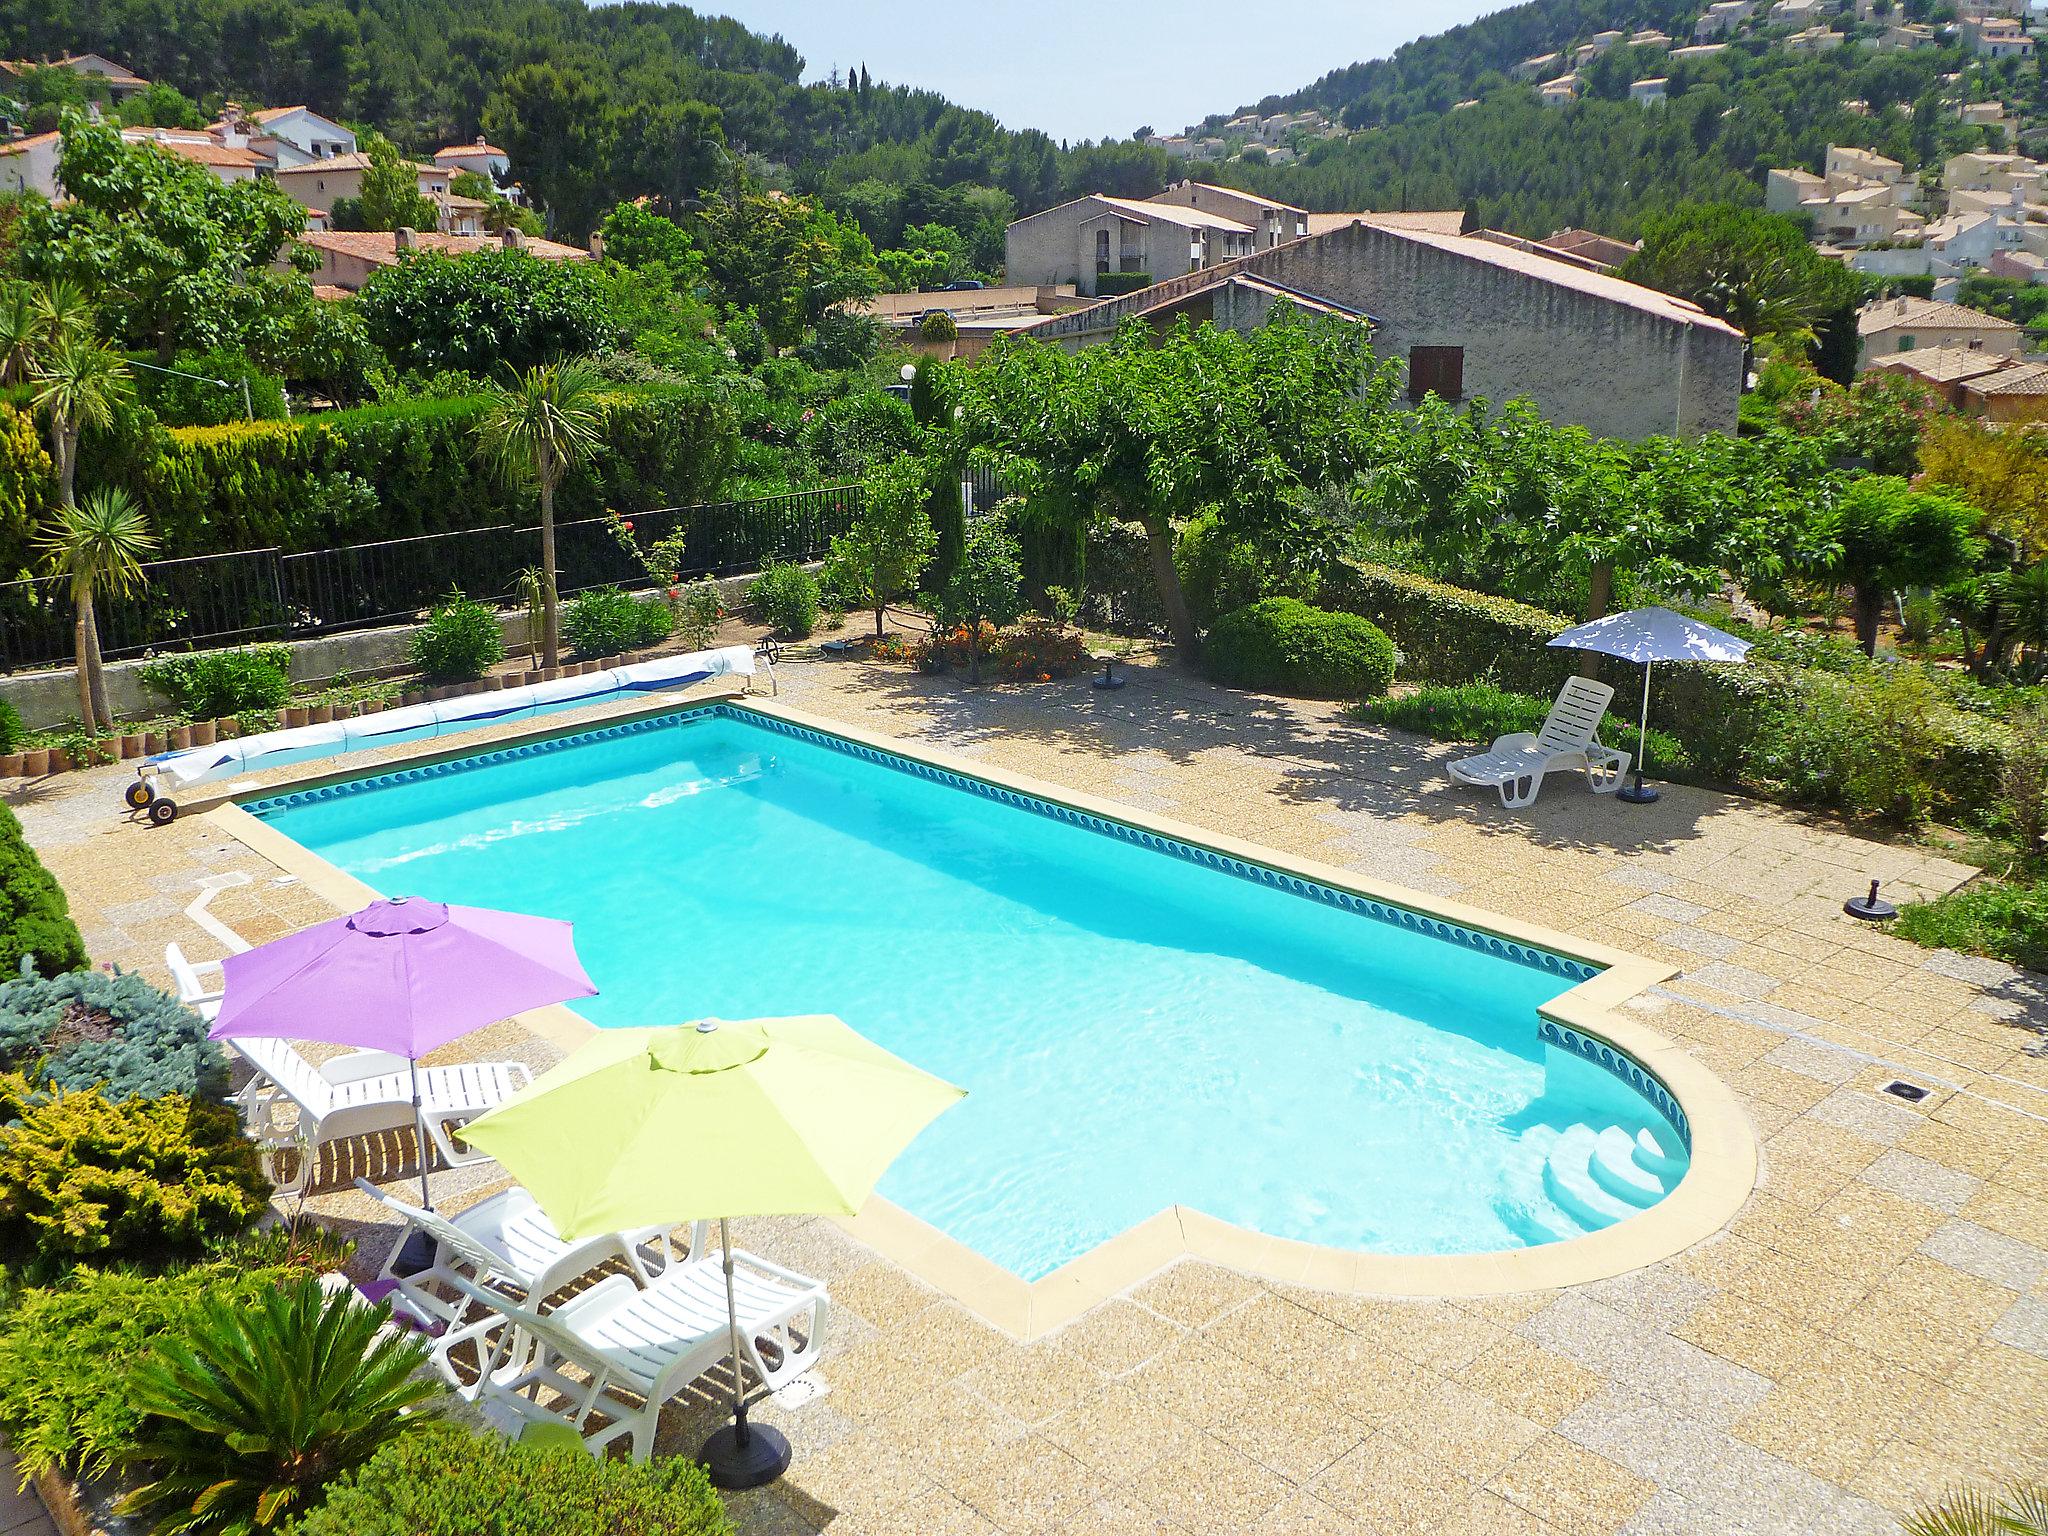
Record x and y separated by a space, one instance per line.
1096 68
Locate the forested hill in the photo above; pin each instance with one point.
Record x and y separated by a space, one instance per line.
1605 161
594 103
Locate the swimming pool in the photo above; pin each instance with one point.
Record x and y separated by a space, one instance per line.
1139 1022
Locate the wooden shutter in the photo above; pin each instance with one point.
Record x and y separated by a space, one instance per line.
1436 370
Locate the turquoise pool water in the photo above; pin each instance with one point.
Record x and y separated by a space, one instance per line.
1135 1029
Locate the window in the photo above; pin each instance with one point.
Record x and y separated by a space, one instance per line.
1438 371
1102 250
1905 343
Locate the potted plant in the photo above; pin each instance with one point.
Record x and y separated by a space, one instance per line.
11 764
203 733
59 760
181 737
35 762
131 744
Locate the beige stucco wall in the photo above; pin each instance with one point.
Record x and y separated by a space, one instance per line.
1884 343
319 187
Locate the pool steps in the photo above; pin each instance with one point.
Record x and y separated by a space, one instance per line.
1594 1178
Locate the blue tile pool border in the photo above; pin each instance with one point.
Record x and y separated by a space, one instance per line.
1568 970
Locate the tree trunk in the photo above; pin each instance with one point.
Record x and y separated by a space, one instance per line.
64 443
1159 544
102 716
880 608
1599 593
550 620
1868 609
81 650
974 649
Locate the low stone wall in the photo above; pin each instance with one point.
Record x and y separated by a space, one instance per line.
50 697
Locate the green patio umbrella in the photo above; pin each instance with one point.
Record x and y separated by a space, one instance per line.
645 1127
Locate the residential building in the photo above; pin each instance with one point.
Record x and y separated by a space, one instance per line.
1998 40
227 162
288 136
1538 67
1696 52
318 184
1651 38
980 315
1913 325
1583 248
1905 36
1983 171
1947 369
1722 18
2018 393
1648 93
1845 160
1596 45
2020 266
1798 13
121 82
1473 318
349 257
1559 92
479 156
1082 240
1961 242
1988 115
1272 221
1449 221
30 164
1813 40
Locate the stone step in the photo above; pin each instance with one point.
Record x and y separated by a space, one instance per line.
1615 1170
1657 1152
1568 1180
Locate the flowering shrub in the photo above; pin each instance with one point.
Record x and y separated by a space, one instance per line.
1038 651
944 649
891 648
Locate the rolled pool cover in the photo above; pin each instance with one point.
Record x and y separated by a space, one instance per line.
272 749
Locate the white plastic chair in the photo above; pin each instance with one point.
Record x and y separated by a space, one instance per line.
1515 765
632 1350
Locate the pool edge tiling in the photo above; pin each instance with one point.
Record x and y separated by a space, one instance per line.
1581 1019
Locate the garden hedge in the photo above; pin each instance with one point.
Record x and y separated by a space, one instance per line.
445 1481
35 920
397 471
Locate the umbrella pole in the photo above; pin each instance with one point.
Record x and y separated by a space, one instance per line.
1640 793
741 1455
419 1131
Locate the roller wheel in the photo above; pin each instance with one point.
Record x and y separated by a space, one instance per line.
162 812
138 795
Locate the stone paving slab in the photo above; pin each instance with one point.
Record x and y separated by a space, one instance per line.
1871 1329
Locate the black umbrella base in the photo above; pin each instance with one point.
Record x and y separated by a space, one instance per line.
1637 793
750 1463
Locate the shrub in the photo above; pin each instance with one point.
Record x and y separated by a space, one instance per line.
460 639
1109 285
786 598
35 920
1447 634
1285 646
699 610
66 1351
446 1482
938 325
12 731
1040 651
1865 745
1219 572
2006 921
207 685
118 1033
254 1409
606 622
202 402
133 1179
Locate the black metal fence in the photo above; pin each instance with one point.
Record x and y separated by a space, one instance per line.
265 594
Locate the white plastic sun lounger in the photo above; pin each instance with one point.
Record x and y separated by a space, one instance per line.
1515 765
631 1350
507 1245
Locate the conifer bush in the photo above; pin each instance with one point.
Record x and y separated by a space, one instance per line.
85 1029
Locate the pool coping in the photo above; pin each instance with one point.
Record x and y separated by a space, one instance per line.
1724 1154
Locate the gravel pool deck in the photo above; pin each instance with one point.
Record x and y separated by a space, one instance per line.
1870 1330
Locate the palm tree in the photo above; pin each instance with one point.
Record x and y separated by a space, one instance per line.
98 546
63 309
537 430
78 382
255 1409
2021 1510
21 332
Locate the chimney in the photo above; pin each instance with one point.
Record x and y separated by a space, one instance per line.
402 237
514 238
597 244
482 142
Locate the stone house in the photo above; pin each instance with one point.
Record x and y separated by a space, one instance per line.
1083 240
349 257
1469 317
1273 222
30 164
1911 325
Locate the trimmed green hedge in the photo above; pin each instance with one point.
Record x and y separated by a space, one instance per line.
445 1481
297 484
1447 634
1109 285
35 920
1283 645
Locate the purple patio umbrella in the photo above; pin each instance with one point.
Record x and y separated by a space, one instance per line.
405 976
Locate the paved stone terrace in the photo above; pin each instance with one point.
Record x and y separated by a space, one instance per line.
1872 1328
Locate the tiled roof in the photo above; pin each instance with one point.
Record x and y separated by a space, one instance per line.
1547 269
1446 222
459 151
1174 213
1271 205
380 247
202 150
1917 314
2026 379
331 291
18 146
1941 365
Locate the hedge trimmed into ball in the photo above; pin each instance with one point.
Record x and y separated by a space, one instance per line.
1282 645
